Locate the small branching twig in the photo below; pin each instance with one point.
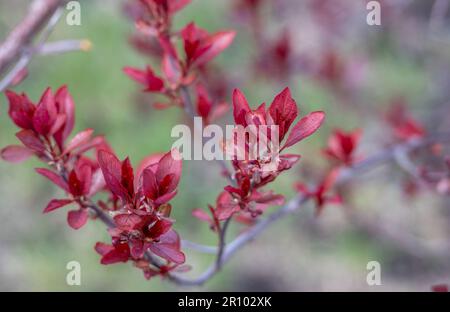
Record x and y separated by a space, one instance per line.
18 49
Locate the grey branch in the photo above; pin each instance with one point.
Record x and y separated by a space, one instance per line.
38 14
383 157
18 48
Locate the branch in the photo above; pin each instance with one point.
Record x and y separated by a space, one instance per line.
38 14
222 243
345 175
102 216
28 52
63 46
18 45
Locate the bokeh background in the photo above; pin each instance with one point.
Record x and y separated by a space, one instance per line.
408 55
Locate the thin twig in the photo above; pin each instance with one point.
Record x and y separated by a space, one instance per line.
102 216
222 243
64 46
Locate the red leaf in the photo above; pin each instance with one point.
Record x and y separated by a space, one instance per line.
201 215
304 128
159 228
79 139
112 172
192 36
127 221
136 74
103 248
84 173
204 104
165 198
30 140
127 179
59 122
149 162
169 165
137 248
283 111
119 253
66 106
15 153
96 142
226 206
342 145
56 204
213 46
45 113
149 185
97 182
21 109
77 218
147 78
168 248
53 177
75 185
240 107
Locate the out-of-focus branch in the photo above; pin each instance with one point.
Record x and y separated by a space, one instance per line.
40 11
19 47
28 52
390 235
222 243
63 46
438 13
383 157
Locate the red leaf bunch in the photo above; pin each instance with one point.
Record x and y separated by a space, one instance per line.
154 17
342 146
178 68
141 211
45 128
331 69
276 55
404 126
321 192
142 221
244 196
340 153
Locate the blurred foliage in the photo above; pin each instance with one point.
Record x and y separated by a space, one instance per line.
34 249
